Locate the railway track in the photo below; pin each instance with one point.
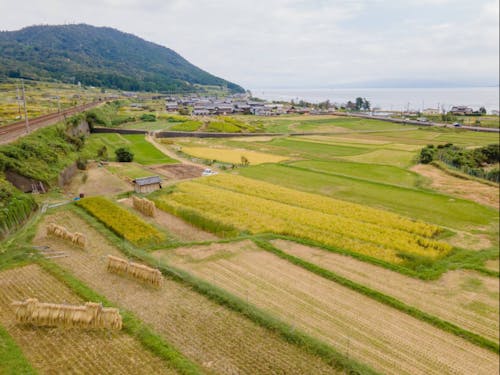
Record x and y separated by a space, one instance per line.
12 131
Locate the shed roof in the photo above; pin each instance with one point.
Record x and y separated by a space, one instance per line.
147 180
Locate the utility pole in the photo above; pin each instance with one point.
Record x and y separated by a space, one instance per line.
18 100
25 111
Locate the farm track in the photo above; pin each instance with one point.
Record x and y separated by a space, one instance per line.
384 338
62 351
448 298
220 340
11 132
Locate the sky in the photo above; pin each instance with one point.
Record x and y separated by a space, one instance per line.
301 43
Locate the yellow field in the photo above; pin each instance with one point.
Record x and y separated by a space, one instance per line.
69 351
121 221
466 298
232 155
390 341
220 340
261 207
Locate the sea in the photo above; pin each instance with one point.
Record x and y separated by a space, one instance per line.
393 99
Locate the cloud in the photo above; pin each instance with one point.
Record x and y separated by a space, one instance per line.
266 43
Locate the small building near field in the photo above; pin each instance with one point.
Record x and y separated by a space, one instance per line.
146 185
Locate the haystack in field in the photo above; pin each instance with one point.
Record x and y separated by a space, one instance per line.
77 239
90 315
144 205
139 271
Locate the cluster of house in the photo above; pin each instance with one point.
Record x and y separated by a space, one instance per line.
235 104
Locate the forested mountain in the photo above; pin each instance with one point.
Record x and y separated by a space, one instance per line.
98 56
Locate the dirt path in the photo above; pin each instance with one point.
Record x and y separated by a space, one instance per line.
175 226
468 189
220 340
390 341
466 298
170 153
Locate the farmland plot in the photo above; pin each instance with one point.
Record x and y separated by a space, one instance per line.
388 340
221 340
59 351
449 298
259 207
175 226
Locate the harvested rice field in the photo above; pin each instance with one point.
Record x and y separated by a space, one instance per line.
220 340
234 156
384 338
450 298
53 350
178 228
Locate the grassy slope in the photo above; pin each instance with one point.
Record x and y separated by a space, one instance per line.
144 152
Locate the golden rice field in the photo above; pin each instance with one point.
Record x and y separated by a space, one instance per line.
260 207
466 298
221 341
69 351
121 221
232 155
389 340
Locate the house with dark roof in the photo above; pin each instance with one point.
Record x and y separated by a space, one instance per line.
146 185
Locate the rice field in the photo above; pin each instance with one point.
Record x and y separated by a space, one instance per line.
388 340
121 221
219 340
233 156
450 298
60 351
260 207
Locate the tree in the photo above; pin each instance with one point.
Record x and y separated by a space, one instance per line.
482 110
427 154
359 103
366 104
123 154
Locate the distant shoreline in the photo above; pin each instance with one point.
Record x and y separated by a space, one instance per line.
392 98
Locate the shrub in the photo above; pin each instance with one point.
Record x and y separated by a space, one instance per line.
123 154
149 117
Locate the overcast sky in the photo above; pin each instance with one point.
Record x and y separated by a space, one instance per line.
299 43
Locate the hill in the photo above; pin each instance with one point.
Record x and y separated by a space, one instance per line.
98 56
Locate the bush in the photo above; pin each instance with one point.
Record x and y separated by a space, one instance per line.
149 117
123 154
81 163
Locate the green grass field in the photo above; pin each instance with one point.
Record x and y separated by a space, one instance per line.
374 172
144 152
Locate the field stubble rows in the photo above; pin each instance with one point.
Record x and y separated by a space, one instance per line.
60 351
450 298
390 341
220 340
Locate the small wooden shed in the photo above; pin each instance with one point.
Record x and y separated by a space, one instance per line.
147 184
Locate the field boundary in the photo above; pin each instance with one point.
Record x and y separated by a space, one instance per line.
223 298
131 324
13 359
382 298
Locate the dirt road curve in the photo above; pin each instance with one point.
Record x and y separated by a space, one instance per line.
11 132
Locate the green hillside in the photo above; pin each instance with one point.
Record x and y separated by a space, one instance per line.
99 56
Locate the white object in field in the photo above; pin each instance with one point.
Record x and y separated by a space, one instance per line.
208 172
